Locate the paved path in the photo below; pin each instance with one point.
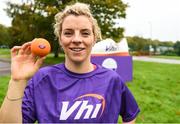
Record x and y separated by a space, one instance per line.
159 60
4 68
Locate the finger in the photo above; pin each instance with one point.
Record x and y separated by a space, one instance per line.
26 48
21 51
15 50
39 61
27 51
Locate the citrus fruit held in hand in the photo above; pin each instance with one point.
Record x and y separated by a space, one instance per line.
40 47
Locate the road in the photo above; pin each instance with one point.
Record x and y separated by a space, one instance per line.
159 60
4 68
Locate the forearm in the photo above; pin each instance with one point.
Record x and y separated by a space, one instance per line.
11 108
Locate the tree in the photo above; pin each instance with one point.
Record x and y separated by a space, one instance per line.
5 37
154 44
166 43
35 19
106 11
137 43
177 48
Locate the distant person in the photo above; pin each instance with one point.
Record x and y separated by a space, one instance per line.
74 91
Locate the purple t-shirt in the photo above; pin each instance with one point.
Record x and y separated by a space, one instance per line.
55 94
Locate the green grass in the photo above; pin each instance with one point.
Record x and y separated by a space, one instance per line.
4 80
156 88
51 60
5 53
167 57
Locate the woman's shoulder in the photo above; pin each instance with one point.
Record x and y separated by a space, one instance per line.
50 68
48 71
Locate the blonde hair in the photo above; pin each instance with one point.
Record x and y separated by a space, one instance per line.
76 9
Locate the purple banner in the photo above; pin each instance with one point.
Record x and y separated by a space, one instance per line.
121 64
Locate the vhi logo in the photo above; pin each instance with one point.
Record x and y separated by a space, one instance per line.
91 110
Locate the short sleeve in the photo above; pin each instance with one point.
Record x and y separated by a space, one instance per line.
28 107
129 108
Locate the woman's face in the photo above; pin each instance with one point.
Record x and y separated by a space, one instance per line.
77 38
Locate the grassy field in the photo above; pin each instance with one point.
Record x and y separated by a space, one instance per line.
155 86
4 53
3 87
51 60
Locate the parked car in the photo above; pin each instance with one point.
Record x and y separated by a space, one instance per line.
4 46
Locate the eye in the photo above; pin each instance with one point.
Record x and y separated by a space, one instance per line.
67 33
85 34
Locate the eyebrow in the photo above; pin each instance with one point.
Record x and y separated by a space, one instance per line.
85 30
69 29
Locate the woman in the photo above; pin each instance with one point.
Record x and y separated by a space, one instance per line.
74 91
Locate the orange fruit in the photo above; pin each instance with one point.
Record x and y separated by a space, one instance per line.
40 47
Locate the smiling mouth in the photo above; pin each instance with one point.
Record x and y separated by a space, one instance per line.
77 49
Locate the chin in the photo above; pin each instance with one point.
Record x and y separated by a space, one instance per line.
77 60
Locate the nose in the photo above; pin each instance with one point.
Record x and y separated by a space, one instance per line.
77 38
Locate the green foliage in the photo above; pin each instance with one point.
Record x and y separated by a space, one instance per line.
177 47
166 43
5 37
28 23
141 46
154 44
169 53
138 43
106 12
31 20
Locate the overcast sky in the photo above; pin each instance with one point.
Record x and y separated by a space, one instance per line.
156 19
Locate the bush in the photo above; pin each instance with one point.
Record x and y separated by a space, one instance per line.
169 53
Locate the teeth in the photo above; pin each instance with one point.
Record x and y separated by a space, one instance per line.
76 49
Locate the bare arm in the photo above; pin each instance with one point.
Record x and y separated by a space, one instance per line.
23 66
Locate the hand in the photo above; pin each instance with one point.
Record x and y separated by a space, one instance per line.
24 64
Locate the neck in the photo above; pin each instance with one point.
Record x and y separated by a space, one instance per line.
83 67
